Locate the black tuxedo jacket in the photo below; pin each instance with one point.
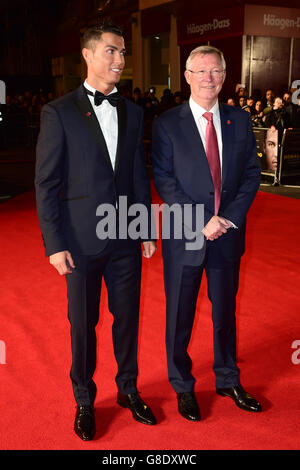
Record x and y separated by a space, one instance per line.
74 174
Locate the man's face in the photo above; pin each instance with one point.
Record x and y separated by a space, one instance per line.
106 62
271 149
269 95
206 88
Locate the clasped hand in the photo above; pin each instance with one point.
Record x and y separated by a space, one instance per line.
216 227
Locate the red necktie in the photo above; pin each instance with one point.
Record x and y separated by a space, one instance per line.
212 153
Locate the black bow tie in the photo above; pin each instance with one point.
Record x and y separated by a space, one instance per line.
113 98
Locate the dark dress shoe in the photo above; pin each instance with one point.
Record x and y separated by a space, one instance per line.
84 425
241 398
140 411
188 406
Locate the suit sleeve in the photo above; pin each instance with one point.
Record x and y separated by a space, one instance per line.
141 183
237 209
49 178
165 180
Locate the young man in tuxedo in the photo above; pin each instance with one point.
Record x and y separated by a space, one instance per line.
205 153
89 153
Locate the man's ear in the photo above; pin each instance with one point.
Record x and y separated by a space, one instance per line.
224 77
187 76
86 55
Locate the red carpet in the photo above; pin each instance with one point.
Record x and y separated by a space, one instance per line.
36 401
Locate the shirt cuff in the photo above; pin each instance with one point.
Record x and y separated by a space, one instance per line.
232 224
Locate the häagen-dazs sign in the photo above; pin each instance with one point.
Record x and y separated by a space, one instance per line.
211 25
249 20
272 21
193 28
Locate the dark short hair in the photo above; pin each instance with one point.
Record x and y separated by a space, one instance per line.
94 33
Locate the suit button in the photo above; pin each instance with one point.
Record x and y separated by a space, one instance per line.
211 193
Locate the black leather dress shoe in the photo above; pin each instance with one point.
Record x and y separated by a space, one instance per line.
188 406
84 425
241 398
140 411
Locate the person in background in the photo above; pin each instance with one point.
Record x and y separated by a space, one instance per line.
243 104
251 104
137 97
278 117
230 102
292 109
268 101
258 115
177 98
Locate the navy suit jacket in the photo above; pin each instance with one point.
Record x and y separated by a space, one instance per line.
74 174
182 175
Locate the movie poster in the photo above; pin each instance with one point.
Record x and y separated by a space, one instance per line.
267 151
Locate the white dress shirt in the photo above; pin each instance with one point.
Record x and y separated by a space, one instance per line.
108 120
201 123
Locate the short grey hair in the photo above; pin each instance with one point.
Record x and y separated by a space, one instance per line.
204 50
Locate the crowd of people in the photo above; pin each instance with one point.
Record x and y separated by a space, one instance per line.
27 103
269 109
21 118
266 110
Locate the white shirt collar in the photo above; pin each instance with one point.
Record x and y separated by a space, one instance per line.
90 88
198 111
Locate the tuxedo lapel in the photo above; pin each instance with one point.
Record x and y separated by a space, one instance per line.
86 110
122 126
227 127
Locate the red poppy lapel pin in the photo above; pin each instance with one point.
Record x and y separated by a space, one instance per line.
228 122
88 114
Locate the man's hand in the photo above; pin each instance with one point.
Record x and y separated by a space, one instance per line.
149 249
215 228
59 261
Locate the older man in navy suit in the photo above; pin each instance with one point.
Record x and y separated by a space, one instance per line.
205 153
90 153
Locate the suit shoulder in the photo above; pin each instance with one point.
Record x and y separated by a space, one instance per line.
236 112
170 114
133 107
62 101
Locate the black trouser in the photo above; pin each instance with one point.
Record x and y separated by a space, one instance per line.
222 289
121 274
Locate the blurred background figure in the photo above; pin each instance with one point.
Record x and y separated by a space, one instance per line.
278 117
137 97
230 101
251 104
257 116
268 101
177 98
